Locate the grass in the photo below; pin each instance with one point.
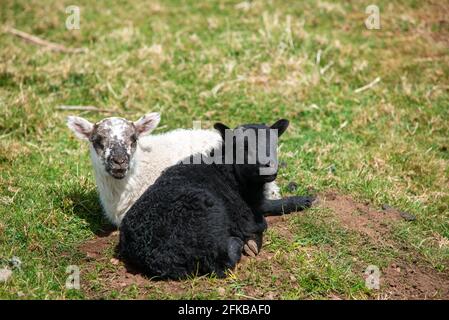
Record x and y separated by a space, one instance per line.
221 61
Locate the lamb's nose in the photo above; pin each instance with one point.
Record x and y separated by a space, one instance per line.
119 160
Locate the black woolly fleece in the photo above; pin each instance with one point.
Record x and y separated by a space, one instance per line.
193 220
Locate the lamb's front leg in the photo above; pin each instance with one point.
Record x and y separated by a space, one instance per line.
285 206
235 246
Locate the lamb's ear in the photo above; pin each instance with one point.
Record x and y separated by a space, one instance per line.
147 123
281 125
80 126
221 128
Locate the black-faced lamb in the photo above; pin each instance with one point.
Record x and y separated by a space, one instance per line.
196 218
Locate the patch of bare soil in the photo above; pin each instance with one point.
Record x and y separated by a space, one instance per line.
360 217
118 275
94 249
411 281
400 280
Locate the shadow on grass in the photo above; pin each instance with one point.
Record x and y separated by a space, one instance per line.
135 270
86 205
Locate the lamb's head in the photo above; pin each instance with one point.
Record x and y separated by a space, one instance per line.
113 140
254 149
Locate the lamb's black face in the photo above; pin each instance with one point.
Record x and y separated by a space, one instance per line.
254 149
259 153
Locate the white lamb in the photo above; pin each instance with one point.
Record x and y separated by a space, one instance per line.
127 160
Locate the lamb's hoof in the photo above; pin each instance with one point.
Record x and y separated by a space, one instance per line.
250 248
307 201
316 201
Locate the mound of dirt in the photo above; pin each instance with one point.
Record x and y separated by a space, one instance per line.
360 217
94 249
408 281
402 279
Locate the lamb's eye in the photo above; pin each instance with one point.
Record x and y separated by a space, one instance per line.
98 143
133 139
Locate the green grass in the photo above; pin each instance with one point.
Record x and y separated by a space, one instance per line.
214 62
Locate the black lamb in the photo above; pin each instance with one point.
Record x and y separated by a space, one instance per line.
196 218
